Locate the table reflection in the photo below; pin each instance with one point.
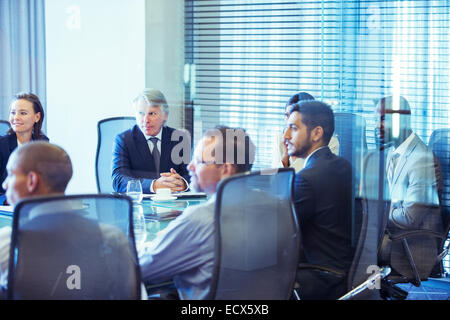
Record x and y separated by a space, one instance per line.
158 215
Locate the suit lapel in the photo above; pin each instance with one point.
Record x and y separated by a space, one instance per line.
142 149
12 142
402 161
317 156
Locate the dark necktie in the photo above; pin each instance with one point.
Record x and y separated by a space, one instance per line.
155 154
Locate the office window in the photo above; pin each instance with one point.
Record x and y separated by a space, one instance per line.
245 58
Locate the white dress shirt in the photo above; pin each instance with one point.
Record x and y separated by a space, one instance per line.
307 158
184 251
158 144
400 150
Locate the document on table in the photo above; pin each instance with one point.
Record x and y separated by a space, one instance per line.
189 194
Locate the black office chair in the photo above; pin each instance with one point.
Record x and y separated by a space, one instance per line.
4 127
350 130
440 144
414 254
107 130
370 216
364 277
73 247
257 237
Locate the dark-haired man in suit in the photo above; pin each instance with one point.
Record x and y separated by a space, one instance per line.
151 151
323 201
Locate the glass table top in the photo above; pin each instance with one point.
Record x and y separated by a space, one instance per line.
157 214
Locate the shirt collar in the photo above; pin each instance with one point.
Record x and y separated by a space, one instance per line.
307 158
159 135
401 149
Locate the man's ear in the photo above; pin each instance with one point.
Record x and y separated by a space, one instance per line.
33 181
317 134
228 169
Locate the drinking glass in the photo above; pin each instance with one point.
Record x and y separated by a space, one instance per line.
134 190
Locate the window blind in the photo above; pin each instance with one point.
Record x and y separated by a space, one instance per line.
246 58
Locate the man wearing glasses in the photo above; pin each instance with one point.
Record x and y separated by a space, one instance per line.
184 250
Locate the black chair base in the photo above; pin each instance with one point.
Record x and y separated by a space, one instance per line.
390 291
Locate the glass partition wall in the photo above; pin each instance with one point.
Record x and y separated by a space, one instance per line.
244 59
383 66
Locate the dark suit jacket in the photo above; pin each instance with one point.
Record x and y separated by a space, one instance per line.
7 145
132 158
323 204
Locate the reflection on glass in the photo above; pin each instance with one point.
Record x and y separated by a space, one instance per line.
140 231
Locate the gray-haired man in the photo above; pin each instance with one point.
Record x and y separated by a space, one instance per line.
148 151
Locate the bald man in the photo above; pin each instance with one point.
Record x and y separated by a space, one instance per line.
43 169
34 169
410 169
38 169
411 187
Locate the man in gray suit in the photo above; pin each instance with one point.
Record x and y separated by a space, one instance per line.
411 184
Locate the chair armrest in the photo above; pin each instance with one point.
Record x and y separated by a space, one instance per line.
370 283
320 268
405 234
403 237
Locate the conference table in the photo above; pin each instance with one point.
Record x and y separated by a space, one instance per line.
157 214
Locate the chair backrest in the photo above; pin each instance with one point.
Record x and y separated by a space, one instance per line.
375 211
350 129
256 236
4 127
440 145
73 247
107 130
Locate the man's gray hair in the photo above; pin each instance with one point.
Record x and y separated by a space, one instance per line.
51 162
153 97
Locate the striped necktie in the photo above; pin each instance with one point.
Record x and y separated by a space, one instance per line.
155 153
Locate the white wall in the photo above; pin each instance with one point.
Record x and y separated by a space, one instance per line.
165 54
95 66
